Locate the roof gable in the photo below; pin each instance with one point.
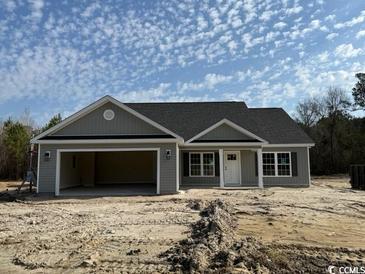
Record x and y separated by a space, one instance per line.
88 116
226 130
94 123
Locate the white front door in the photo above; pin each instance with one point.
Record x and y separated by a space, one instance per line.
232 168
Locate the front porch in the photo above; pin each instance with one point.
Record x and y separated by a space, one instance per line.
229 167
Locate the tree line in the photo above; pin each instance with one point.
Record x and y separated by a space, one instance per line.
339 136
15 146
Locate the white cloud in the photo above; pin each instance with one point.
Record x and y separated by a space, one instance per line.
354 21
89 11
315 24
210 81
271 36
10 5
360 34
150 95
232 45
100 47
214 15
36 6
331 36
202 23
237 23
294 10
279 25
323 57
250 10
330 17
347 51
266 15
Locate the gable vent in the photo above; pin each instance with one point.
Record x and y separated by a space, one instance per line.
108 115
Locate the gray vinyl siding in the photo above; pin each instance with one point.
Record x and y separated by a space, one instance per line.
302 162
47 168
95 124
196 181
248 170
200 181
225 132
248 165
249 177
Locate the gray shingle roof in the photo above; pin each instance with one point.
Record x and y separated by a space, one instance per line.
189 119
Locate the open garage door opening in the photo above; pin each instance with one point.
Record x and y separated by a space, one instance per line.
106 173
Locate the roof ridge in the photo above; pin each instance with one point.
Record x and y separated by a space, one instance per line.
187 102
266 108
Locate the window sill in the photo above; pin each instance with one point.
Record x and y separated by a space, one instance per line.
200 176
278 176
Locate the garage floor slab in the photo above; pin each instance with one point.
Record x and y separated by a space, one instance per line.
126 189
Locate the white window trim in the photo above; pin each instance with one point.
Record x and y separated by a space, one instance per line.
276 164
201 164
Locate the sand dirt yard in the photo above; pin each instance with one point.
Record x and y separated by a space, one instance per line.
127 234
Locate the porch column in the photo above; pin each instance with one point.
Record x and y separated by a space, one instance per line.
259 168
221 169
309 167
177 167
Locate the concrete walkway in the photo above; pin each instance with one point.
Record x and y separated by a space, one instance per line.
132 189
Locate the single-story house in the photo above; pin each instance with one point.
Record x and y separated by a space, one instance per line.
162 147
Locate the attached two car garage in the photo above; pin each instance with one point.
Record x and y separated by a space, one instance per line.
107 172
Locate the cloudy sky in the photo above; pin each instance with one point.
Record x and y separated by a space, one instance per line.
58 56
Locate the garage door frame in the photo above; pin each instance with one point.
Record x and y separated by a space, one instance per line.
58 161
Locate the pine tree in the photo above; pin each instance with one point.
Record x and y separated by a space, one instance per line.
54 121
358 92
16 139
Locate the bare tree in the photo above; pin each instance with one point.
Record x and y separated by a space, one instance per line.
336 105
26 119
309 112
336 102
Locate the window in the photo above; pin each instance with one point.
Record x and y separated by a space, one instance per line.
276 164
208 164
283 164
202 164
231 157
195 167
268 164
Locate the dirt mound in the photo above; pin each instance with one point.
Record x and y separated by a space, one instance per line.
211 234
213 246
196 204
251 255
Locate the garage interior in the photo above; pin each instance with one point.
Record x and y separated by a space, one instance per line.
107 173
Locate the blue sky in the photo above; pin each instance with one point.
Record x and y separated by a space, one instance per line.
58 56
